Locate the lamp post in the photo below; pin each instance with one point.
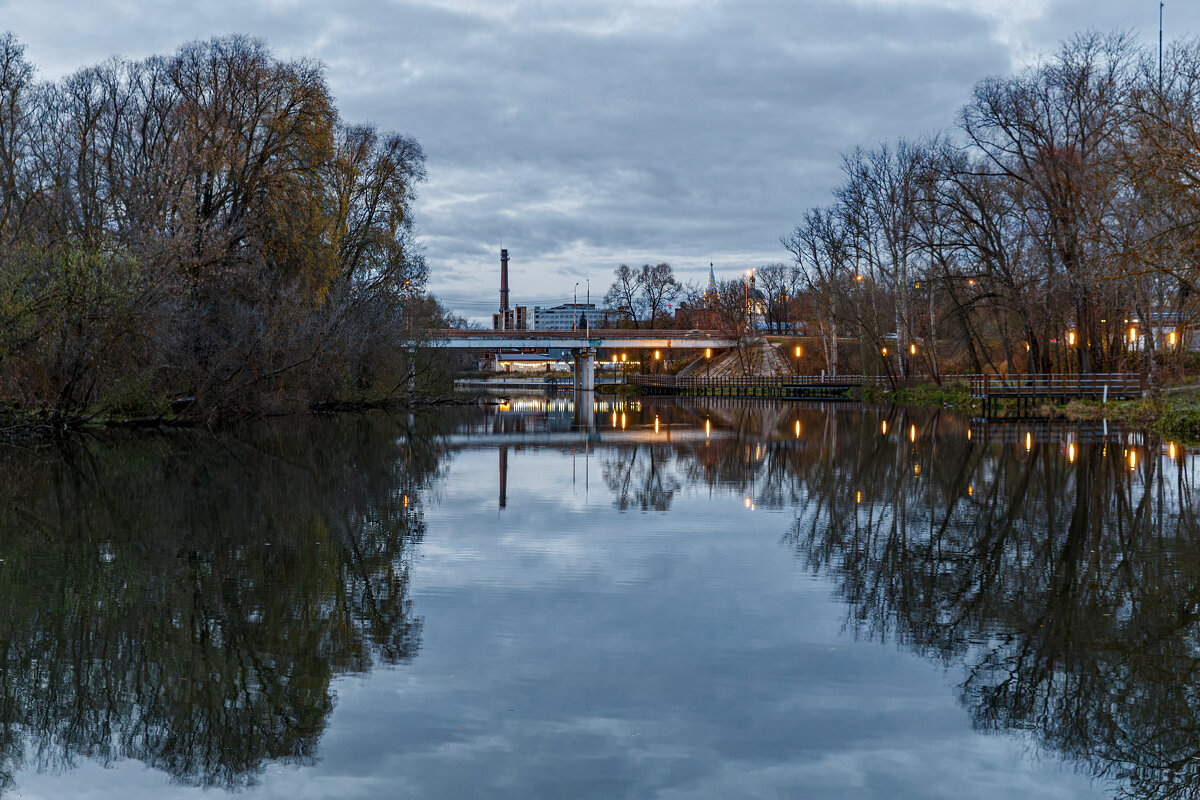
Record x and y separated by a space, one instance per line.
575 307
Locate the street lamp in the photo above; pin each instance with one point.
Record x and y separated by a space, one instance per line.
575 307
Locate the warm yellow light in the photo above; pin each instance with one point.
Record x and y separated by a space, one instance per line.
406 496
656 424
1071 338
1132 460
912 433
1071 452
798 349
858 277
912 349
746 501
968 434
1027 347
883 351
858 497
614 419
1171 450
883 427
797 429
614 359
707 428
622 420
971 282
970 490
657 355
622 356
1133 334
916 469
708 352
1028 441
1171 338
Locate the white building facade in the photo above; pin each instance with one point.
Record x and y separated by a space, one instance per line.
569 316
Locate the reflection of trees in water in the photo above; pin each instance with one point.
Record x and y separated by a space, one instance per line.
640 477
1070 591
186 602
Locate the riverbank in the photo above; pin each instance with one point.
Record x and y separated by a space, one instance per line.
1175 413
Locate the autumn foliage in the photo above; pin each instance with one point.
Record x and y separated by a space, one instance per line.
199 233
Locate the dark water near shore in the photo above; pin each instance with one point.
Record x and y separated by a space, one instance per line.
704 600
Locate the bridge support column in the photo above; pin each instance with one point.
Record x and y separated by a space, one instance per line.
585 387
588 366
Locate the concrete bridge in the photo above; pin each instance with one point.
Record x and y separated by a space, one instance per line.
582 339
582 344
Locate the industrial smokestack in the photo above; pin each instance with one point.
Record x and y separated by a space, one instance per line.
503 280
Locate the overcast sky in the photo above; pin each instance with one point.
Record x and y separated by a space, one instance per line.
581 134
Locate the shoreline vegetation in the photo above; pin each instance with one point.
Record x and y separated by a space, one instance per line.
1174 413
200 237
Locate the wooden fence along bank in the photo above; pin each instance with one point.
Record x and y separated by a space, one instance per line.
990 390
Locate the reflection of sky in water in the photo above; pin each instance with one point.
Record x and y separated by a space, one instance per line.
571 650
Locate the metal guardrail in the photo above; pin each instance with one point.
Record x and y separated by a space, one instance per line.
584 333
694 382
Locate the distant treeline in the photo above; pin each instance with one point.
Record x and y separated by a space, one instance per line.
204 227
1055 228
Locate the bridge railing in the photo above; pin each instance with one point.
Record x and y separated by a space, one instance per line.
582 333
702 382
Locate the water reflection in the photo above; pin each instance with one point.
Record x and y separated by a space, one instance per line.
186 602
1056 568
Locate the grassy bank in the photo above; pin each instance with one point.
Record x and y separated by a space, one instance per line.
947 395
1175 414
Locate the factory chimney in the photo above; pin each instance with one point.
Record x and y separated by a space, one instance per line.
503 280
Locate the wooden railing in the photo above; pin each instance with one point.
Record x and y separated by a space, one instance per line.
1099 385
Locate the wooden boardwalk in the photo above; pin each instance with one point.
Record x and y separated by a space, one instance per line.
1026 390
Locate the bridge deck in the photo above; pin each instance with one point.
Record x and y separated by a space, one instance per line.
633 339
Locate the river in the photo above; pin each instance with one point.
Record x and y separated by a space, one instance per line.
704 599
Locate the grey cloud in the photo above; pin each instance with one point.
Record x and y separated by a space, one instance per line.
589 133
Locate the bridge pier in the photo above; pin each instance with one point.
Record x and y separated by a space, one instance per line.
584 383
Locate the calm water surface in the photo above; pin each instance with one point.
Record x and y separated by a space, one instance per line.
695 601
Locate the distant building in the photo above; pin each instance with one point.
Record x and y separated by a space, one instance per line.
568 316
